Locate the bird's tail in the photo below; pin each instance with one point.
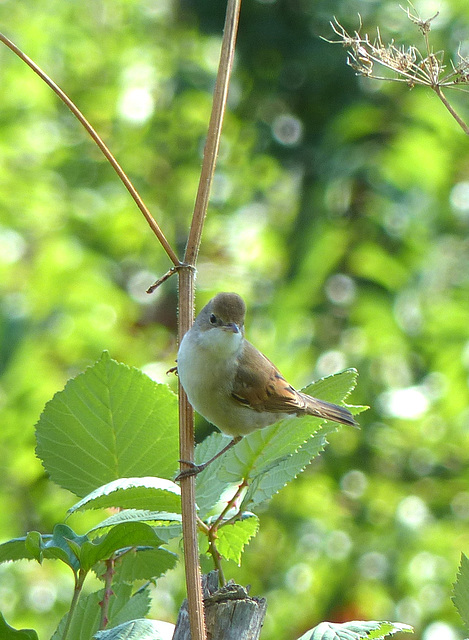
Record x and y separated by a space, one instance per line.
327 410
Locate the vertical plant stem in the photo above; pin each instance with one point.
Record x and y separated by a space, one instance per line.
214 130
108 576
186 449
186 318
79 580
213 550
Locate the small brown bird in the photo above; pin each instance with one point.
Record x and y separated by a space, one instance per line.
232 384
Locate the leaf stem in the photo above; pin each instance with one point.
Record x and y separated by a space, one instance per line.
212 531
437 89
229 505
212 547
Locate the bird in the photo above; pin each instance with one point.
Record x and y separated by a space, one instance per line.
232 384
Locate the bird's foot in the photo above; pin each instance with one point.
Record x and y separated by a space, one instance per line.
193 470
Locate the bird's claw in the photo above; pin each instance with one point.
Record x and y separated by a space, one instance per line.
193 470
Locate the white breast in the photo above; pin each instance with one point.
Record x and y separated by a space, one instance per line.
207 364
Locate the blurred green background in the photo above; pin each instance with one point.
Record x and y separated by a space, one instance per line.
340 210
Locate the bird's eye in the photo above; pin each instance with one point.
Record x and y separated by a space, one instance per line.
213 318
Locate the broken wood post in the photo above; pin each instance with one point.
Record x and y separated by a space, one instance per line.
230 613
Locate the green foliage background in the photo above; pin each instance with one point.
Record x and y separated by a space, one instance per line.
340 210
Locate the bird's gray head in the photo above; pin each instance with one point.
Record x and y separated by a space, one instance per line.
225 311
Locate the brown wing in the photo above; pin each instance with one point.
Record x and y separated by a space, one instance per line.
260 385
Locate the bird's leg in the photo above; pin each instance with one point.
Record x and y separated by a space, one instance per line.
194 469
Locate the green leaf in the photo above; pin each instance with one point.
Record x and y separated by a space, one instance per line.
123 606
232 538
334 388
168 525
86 618
155 494
133 630
16 549
158 518
62 545
355 630
265 447
372 261
461 590
268 483
34 544
65 545
168 530
109 422
389 629
208 492
121 536
144 564
8 633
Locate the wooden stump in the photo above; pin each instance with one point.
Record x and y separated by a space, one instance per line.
230 613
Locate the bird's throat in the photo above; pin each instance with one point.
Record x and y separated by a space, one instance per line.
221 343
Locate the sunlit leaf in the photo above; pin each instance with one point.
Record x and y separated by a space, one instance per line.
461 590
109 422
8 633
158 518
269 482
133 630
232 538
168 525
374 262
208 492
16 549
155 494
334 388
355 630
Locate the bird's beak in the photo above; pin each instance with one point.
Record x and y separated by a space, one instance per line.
231 326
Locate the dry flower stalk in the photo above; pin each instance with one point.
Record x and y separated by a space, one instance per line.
408 64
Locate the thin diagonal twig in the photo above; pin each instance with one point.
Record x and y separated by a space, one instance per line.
106 152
